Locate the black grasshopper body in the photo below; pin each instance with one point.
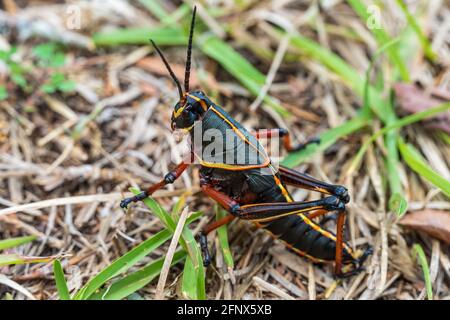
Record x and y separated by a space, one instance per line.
239 175
257 186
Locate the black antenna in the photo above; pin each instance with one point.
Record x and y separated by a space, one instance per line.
172 74
187 73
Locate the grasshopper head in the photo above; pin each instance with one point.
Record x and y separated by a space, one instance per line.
189 110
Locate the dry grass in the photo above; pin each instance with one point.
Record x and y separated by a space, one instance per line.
66 159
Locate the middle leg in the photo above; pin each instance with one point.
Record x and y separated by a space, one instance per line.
284 133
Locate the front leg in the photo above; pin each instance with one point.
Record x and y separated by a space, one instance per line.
168 179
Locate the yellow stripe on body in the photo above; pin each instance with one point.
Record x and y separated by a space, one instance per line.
324 232
202 102
231 166
298 212
282 188
238 132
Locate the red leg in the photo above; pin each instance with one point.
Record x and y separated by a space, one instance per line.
204 240
168 178
225 201
218 223
265 212
317 213
339 243
283 133
271 211
301 180
339 237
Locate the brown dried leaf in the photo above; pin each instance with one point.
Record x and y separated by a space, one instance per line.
434 222
413 99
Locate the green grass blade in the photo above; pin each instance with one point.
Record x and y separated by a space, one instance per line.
136 280
331 136
195 257
416 117
326 140
201 276
123 263
444 137
426 270
382 38
397 203
61 284
196 281
187 241
162 214
166 19
155 8
429 53
418 164
386 46
188 282
161 35
132 257
329 59
15 242
352 78
337 65
222 234
10 259
239 67
230 59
